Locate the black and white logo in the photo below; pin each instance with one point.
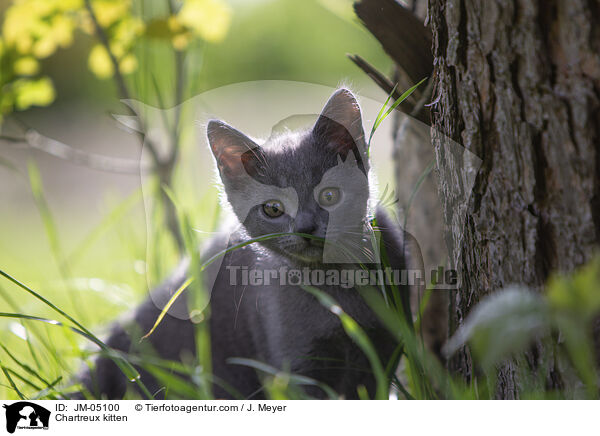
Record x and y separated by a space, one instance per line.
26 415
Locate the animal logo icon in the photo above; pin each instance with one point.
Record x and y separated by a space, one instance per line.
26 415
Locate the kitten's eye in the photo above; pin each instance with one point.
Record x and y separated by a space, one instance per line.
329 196
273 208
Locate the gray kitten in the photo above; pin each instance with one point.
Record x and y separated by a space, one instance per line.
313 182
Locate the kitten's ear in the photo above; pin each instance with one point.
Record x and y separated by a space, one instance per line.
236 154
340 123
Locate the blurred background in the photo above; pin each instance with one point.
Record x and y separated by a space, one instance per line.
105 176
78 234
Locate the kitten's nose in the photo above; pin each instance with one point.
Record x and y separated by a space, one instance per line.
310 230
305 224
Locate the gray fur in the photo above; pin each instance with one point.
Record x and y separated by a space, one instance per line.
285 327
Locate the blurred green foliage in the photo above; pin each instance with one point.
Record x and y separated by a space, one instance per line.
55 52
504 325
212 43
35 29
227 42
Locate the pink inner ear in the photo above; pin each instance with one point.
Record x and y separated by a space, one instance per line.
230 160
340 124
337 137
341 148
237 161
230 148
228 166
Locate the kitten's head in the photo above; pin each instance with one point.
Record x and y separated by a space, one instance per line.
313 182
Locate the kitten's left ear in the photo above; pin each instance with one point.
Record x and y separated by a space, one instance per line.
340 123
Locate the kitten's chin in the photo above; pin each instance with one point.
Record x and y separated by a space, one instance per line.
310 255
300 253
306 256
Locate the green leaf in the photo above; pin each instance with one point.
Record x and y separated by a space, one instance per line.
502 324
578 293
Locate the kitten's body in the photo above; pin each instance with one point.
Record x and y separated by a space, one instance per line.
283 326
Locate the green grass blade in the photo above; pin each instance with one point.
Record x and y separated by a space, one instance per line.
174 383
380 114
357 334
294 378
116 214
36 333
403 97
46 321
199 296
24 379
51 388
43 300
35 181
402 389
168 306
12 383
51 230
383 115
9 165
26 367
253 241
127 369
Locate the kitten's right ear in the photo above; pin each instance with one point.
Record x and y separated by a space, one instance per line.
340 124
236 154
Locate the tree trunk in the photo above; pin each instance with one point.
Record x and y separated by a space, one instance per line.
517 83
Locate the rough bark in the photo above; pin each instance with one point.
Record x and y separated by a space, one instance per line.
517 82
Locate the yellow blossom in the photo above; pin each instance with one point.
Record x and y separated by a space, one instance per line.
99 62
38 92
19 22
44 47
62 30
209 19
128 64
37 27
37 7
128 29
26 66
181 40
109 11
69 5
174 24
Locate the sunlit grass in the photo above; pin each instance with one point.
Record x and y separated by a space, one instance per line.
55 301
